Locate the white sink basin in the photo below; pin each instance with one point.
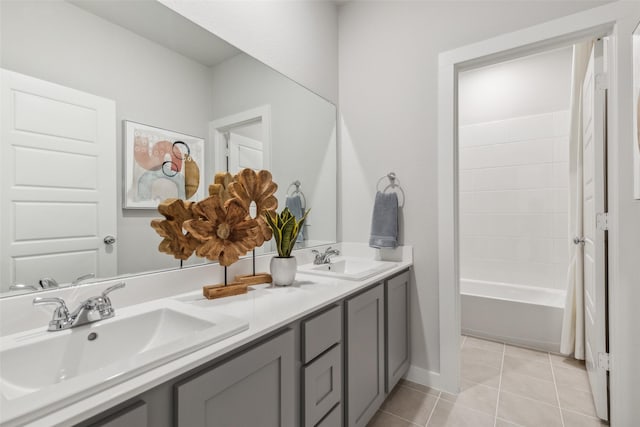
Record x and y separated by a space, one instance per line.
350 268
57 368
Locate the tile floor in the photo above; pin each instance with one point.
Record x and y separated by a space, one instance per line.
502 386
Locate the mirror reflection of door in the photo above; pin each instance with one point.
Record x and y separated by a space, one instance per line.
57 218
242 141
245 148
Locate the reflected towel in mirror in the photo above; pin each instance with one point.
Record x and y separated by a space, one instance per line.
294 203
384 221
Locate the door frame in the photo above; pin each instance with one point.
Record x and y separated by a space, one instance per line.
217 153
616 20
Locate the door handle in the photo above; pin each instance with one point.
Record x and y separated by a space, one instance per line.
109 240
578 240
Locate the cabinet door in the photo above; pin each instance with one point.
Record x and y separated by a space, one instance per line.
396 329
255 388
365 355
322 385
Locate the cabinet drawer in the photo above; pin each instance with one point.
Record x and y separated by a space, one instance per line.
334 419
322 386
321 332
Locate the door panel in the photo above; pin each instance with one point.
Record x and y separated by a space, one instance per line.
593 133
244 153
58 186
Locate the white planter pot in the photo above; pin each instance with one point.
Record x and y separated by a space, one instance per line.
283 270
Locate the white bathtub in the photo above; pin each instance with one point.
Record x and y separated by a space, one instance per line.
522 315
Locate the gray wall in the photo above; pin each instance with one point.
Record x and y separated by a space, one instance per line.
297 38
388 78
61 43
302 133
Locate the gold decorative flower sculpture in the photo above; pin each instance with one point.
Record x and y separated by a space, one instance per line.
251 186
175 242
220 186
225 230
220 227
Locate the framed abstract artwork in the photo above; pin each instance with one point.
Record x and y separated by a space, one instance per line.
160 164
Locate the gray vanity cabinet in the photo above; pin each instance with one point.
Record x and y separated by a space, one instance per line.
364 355
256 388
321 375
134 415
396 307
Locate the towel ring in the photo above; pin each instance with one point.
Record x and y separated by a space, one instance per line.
394 183
299 192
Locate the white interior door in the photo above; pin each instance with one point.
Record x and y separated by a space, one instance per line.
595 288
244 152
58 188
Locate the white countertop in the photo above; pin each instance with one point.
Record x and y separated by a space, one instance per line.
264 307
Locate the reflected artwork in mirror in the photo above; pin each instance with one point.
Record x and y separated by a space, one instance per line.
74 73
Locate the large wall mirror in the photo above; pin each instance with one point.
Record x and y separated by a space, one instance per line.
130 75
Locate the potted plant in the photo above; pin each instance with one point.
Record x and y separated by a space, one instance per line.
285 229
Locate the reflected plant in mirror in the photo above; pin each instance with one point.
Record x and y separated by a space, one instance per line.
73 72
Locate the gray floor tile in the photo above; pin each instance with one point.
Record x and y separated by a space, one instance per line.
540 370
526 386
571 378
381 419
483 344
577 401
525 353
412 405
448 414
504 423
479 373
419 387
572 419
566 362
527 412
482 356
475 396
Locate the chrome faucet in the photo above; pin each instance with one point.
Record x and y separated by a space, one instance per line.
324 258
90 310
83 278
48 283
23 287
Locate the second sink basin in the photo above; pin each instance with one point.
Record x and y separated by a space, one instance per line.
350 268
60 367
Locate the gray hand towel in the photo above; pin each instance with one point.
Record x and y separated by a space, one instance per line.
384 223
294 203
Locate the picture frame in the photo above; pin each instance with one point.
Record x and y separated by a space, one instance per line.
160 164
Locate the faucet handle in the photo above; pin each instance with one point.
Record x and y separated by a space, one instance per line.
115 287
83 278
48 283
61 313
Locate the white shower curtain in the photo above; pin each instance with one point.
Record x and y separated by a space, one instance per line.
572 341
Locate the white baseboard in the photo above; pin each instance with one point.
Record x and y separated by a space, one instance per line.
424 377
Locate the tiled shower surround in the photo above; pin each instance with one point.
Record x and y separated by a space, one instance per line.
514 200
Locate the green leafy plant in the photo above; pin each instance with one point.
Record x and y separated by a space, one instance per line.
285 228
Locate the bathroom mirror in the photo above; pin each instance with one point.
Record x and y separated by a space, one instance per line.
159 70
